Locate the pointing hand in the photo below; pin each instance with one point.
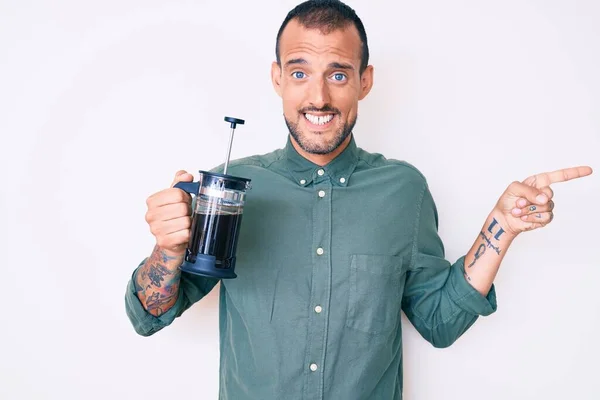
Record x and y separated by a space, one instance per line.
528 205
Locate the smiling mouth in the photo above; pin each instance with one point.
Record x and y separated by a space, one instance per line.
319 120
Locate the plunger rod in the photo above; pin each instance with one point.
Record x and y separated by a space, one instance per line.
233 122
229 150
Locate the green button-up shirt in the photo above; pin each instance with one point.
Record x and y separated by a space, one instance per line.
326 260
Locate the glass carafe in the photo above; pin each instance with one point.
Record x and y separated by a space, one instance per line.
216 221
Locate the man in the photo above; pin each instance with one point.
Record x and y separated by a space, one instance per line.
334 243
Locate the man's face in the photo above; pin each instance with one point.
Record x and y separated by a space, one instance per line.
320 84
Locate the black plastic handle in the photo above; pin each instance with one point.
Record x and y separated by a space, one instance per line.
189 187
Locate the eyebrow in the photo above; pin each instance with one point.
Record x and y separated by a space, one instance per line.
295 61
333 65
336 65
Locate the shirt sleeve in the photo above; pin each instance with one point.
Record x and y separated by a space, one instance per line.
437 298
191 289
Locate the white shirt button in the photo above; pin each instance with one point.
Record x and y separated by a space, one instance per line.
318 309
302 181
313 367
320 251
342 180
320 172
321 193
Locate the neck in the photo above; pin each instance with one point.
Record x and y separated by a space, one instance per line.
321 159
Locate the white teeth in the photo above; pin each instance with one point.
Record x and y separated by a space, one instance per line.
319 120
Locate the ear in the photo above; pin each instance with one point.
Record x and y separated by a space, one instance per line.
366 82
276 77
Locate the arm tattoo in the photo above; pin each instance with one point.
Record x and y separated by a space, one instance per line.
165 257
157 282
171 289
492 225
480 251
157 273
138 287
487 243
157 301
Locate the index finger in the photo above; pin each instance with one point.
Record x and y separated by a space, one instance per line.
562 175
182 175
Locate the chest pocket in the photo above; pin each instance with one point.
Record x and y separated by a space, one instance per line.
376 285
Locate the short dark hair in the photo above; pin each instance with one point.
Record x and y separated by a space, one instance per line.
328 16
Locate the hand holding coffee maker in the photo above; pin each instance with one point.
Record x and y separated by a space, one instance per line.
169 218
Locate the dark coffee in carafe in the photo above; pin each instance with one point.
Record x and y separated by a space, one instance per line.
215 234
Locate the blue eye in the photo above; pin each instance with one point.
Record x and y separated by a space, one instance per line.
339 77
298 74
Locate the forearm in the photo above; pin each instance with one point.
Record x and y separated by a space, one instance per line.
483 259
157 282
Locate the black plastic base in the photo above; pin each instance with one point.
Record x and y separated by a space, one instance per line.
205 266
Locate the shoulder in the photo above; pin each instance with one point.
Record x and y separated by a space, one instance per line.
260 161
398 168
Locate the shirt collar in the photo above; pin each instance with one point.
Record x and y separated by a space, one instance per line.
306 172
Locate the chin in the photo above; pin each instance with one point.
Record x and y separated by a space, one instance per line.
319 147
318 142
318 139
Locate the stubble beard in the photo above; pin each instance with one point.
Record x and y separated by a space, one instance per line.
314 147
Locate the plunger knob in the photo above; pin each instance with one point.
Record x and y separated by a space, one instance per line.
234 121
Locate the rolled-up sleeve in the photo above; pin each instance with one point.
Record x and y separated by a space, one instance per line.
191 290
437 298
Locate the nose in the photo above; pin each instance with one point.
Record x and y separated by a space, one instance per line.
318 93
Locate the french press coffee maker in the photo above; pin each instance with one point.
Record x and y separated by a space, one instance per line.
216 219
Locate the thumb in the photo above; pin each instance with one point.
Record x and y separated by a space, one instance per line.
533 195
182 176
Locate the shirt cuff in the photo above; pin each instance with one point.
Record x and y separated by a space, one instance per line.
143 322
466 296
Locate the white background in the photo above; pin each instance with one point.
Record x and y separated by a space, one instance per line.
102 102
